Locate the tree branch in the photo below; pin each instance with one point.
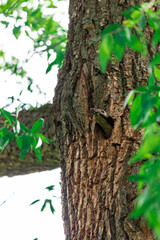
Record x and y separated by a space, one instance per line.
10 163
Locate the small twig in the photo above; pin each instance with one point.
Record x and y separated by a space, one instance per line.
7 199
48 48
13 5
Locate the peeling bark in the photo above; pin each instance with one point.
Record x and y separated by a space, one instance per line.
96 196
10 163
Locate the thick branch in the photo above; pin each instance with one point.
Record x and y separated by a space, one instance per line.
10 163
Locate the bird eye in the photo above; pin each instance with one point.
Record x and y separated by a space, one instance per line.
102 111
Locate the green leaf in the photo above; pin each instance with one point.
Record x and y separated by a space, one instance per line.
30 84
51 6
44 205
27 34
147 89
142 22
50 67
156 37
153 20
153 218
152 119
105 50
134 18
50 188
151 79
143 203
142 89
136 15
135 44
157 72
1 54
51 206
34 143
5 138
19 140
38 154
7 115
24 128
155 60
17 31
5 23
140 35
26 145
139 155
141 108
35 201
110 29
143 174
135 112
141 179
129 23
148 146
35 12
44 139
135 178
130 10
129 98
37 125
127 32
119 45
151 146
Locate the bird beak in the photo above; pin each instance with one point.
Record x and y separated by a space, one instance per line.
93 110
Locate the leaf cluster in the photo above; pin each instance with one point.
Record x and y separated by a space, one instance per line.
144 102
117 37
46 201
26 139
35 19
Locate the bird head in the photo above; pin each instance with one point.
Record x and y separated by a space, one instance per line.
98 111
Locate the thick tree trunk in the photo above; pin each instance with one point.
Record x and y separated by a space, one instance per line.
10 163
96 196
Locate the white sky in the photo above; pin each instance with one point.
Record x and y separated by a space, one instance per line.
18 220
36 66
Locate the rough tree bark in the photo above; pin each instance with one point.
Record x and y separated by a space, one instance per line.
96 196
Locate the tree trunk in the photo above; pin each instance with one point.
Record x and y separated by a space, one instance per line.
96 195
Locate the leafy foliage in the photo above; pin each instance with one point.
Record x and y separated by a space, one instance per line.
46 201
27 139
144 102
35 20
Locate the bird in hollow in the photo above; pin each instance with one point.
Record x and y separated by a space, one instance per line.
104 122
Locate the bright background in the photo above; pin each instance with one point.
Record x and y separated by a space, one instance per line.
18 220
